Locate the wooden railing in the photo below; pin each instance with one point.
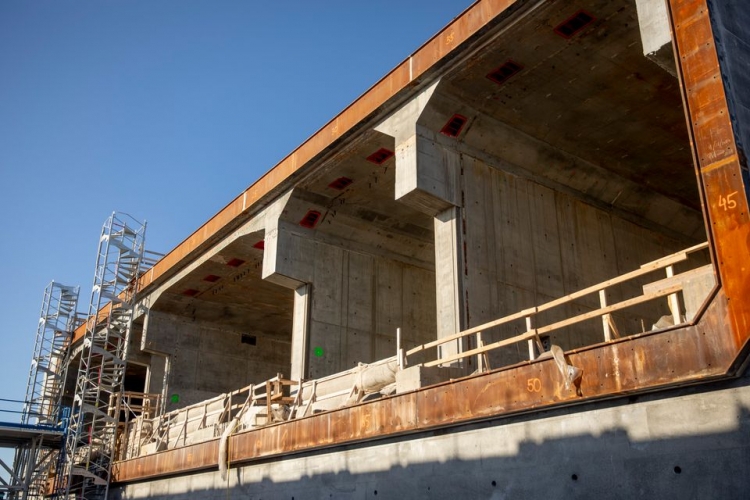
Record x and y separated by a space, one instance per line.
251 406
669 287
202 421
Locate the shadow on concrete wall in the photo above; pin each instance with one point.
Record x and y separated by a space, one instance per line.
685 463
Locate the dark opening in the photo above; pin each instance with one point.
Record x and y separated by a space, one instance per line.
574 24
135 382
235 262
191 292
503 73
380 156
249 339
341 183
310 220
212 278
454 126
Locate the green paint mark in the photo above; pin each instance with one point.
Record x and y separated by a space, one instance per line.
318 352
175 398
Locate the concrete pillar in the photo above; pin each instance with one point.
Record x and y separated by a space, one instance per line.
300 331
450 279
288 260
156 374
428 176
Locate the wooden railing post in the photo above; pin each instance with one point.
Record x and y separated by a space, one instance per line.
605 318
674 302
529 327
400 350
480 356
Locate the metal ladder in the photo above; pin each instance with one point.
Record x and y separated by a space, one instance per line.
89 447
57 320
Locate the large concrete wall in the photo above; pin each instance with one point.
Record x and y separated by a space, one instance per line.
358 301
205 360
526 244
690 443
354 283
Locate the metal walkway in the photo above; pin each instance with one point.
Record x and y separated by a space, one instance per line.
34 446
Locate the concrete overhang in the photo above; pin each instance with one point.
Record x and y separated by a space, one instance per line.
587 114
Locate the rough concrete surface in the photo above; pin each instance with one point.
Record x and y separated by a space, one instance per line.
685 444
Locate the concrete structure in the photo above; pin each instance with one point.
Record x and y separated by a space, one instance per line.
492 276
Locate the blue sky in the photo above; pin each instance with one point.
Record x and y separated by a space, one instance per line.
165 110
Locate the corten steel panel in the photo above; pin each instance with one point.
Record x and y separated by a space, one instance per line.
469 23
724 198
635 364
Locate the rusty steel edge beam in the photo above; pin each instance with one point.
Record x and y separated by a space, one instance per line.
715 153
645 363
469 23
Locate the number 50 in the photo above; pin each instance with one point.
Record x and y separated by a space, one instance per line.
533 385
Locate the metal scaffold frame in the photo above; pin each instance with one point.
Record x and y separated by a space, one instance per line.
57 321
43 420
90 441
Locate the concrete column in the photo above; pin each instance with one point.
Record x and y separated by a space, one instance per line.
450 279
300 331
428 174
156 373
288 260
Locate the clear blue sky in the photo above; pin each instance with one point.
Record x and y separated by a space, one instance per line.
166 110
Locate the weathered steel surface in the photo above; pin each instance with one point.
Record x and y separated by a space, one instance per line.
724 199
635 364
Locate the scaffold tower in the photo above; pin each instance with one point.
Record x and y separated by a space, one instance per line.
38 436
93 425
47 374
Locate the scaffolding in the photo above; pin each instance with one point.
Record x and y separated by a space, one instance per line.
47 374
37 438
89 444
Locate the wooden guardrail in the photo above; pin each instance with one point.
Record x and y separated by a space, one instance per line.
205 420
669 288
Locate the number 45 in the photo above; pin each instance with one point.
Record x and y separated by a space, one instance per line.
726 202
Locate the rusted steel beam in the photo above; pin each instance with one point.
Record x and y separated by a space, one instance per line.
635 364
431 53
719 175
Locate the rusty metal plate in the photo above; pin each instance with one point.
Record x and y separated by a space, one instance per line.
635 364
718 162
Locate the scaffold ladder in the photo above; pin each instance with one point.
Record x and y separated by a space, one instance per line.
47 374
42 408
90 441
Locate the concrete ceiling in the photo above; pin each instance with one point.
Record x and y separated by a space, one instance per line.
594 95
227 291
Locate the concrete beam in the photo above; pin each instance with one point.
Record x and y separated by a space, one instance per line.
425 171
653 21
